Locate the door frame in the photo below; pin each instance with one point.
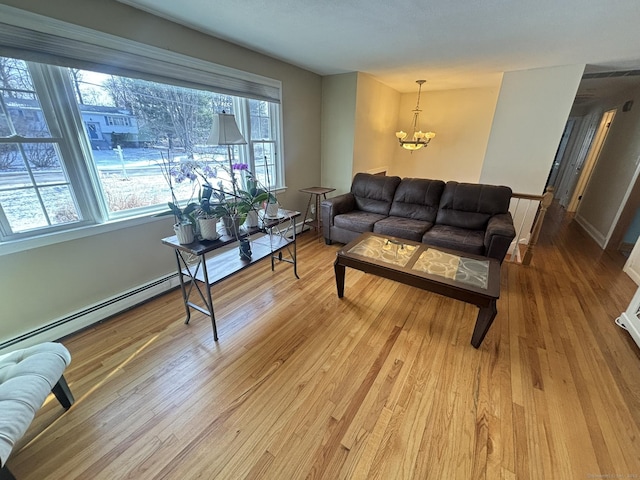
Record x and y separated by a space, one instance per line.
591 160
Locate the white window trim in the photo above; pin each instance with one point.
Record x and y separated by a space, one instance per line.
20 18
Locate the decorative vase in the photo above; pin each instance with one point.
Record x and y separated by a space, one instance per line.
231 225
245 249
184 232
252 219
271 211
208 228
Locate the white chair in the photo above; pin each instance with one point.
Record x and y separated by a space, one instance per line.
27 377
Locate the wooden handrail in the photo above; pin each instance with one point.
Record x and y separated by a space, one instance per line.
545 201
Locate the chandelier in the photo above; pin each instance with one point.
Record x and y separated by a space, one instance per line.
419 139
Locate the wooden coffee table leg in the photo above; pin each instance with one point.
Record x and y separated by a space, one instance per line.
339 269
483 322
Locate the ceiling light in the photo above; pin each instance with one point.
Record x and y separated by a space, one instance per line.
419 138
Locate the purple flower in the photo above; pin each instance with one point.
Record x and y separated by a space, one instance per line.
240 166
209 172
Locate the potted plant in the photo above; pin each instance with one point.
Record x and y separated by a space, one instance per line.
207 219
253 196
184 227
185 221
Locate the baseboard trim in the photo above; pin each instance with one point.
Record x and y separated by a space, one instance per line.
591 231
92 314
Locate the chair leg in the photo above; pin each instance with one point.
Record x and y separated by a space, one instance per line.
5 474
63 393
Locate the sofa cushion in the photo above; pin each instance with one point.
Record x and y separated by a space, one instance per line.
469 205
402 227
357 221
455 238
417 198
374 193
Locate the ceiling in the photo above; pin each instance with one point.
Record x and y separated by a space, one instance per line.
451 43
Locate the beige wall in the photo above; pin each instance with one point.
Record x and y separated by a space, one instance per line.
360 136
44 284
338 127
615 168
461 120
532 111
375 123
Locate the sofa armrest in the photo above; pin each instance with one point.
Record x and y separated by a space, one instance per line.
498 236
335 206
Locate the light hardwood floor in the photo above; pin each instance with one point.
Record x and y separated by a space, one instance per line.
382 384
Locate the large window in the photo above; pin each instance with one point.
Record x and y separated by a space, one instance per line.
79 147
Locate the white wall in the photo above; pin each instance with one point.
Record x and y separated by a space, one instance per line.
42 285
532 111
614 172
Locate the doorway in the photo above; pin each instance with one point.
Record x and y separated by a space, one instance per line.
585 168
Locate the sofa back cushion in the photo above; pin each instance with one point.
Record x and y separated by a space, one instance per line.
417 198
374 193
470 205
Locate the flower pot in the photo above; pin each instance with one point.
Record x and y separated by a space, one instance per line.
272 210
208 228
245 249
252 219
184 232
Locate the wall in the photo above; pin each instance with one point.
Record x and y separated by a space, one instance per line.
42 285
360 136
338 127
532 111
633 232
614 171
461 120
375 123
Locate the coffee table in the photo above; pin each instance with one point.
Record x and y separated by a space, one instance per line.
469 278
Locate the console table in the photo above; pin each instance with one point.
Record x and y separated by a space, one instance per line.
200 266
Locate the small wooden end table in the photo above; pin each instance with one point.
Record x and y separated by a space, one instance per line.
315 191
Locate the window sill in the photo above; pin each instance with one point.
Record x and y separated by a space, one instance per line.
15 246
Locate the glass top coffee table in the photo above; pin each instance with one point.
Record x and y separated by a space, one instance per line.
462 276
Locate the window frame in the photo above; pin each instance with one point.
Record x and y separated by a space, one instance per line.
76 148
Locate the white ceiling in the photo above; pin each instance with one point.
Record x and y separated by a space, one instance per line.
451 43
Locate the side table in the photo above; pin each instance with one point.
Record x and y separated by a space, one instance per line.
317 192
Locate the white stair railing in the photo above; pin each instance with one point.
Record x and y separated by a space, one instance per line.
528 213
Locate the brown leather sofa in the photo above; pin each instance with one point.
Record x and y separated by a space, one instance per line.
466 217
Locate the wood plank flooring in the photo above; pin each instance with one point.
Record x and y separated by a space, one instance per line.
382 384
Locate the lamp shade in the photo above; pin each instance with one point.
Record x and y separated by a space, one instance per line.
224 131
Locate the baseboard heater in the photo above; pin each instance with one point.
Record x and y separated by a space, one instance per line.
98 312
93 314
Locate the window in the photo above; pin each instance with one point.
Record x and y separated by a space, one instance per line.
120 121
80 147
